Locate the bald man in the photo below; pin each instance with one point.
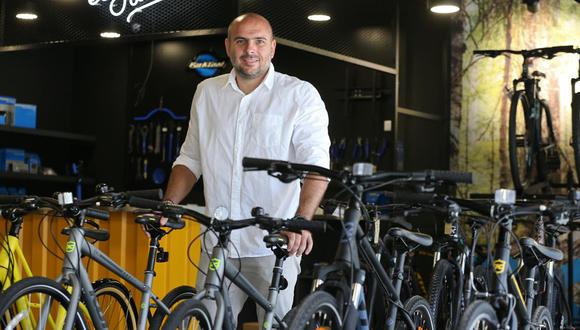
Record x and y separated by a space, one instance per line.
253 111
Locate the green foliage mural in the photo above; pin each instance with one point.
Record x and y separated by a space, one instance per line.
481 86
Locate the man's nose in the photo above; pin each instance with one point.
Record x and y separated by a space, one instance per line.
251 47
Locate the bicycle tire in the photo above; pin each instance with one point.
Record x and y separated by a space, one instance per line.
559 307
421 315
171 300
116 304
576 132
543 318
319 309
27 291
519 151
478 315
442 294
186 311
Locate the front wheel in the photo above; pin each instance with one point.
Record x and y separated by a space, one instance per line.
190 314
420 313
479 315
522 148
318 310
116 303
36 303
542 318
171 300
442 294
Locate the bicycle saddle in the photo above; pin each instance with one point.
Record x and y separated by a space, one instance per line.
530 245
96 234
411 237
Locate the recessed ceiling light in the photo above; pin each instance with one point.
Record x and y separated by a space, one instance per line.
27 16
319 18
110 35
445 9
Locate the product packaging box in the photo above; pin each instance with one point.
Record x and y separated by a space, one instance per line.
13 160
33 161
7 105
24 115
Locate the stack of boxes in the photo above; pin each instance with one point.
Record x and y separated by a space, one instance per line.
17 114
13 160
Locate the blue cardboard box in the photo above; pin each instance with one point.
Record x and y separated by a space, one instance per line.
33 161
7 105
24 115
13 160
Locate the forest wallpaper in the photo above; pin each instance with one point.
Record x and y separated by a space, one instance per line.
481 86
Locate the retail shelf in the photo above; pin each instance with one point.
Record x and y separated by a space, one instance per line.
44 178
48 134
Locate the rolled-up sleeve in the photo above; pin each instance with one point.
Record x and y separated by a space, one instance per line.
310 137
189 154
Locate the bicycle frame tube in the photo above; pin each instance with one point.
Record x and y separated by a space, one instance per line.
76 248
11 260
214 289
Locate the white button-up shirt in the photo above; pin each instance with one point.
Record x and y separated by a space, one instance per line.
283 118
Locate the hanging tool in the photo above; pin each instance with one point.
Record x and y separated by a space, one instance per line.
130 144
178 131
157 139
170 146
144 130
357 150
151 138
145 163
163 144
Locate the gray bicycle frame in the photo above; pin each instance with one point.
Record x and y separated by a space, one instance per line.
74 272
215 289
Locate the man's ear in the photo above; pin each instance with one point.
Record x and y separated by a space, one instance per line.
227 44
273 48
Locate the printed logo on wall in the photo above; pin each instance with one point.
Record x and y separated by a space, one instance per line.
207 64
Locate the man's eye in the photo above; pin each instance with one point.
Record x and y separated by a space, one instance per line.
240 41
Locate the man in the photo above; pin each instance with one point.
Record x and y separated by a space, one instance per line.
254 112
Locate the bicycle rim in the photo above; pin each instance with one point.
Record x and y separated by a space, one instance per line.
116 304
35 302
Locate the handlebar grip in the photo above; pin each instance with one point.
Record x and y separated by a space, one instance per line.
155 194
11 199
451 176
258 164
313 226
412 197
144 203
98 214
529 209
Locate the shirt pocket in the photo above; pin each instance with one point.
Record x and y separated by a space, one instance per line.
266 130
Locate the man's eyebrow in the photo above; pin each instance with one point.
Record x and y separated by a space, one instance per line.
255 38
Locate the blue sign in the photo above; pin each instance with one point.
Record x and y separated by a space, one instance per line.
207 64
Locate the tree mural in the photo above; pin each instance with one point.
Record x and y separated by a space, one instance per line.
481 86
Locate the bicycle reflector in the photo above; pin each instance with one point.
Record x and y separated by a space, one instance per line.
362 169
505 196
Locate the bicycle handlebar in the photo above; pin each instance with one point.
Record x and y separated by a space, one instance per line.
264 222
546 52
286 171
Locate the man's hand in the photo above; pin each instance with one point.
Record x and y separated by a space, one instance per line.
299 244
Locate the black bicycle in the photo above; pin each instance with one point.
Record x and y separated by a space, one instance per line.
338 287
533 147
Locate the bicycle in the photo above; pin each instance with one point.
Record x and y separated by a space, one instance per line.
533 148
576 118
193 312
504 304
338 287
30 301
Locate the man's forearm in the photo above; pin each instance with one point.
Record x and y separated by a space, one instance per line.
313 190
181 182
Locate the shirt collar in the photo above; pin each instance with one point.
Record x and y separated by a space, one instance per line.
268 81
